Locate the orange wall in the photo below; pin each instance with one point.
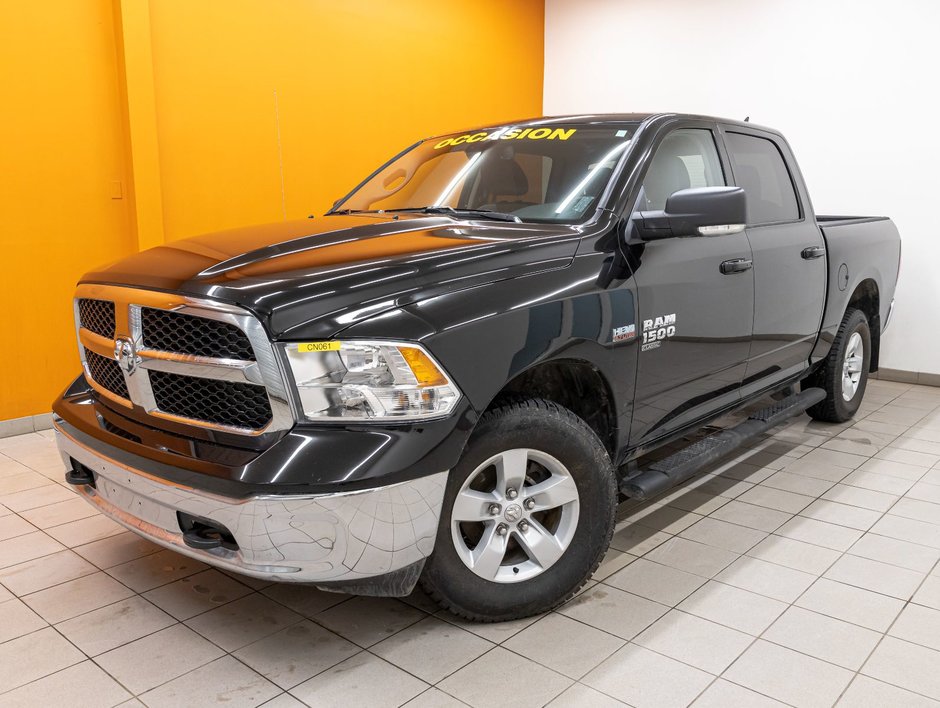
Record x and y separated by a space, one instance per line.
177 99
61 153
354 82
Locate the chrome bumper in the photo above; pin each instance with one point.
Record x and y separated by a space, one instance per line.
330 538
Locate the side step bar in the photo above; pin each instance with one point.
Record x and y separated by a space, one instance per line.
683 464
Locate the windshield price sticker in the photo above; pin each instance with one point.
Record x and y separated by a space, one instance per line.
509 134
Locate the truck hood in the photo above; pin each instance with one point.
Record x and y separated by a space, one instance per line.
316 277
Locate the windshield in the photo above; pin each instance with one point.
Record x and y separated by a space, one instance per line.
548 173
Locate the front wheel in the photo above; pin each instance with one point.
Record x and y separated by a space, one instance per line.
844 374
528 514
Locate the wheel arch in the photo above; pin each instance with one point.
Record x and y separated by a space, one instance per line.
576 384
866 298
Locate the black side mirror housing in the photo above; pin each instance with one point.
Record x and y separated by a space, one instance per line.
701 211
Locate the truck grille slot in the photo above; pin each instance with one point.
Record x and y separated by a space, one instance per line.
97 316
227 403
197 336
107 373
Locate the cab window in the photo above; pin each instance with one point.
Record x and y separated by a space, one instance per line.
761 171
685 158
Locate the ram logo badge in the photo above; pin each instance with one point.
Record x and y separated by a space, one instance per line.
656 330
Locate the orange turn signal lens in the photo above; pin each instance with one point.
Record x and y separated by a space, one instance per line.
422 367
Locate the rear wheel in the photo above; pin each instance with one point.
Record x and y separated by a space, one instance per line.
528 514
844 375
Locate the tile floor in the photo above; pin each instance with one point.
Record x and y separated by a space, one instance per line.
804 571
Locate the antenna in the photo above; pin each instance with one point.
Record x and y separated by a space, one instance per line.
747 119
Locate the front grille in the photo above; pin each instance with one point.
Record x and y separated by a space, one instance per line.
106 373
97 316
198 336
222 402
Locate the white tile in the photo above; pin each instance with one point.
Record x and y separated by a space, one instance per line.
111 626
819 533
118 549
928 594
613 561
44 572
893 468
798 484
911 530
771 669
865 692
157 658
663 518
855 605
900 553
614 611
16 619
431 698
692 557
876 576
776 581
22 482
303 599
918 624
842 514
225 681
156 569
645 679
695 641
496 632
721 534
433 649
295 654
909 457
886 484
776 499
917 509
826 638
583 647
637 540
906 665
77 533
24 548
733 607
59 513
751 516
83 685
33 656
794 554
243 621
724 694
580 696
75 597
362 680
12 526
368 620
198 593
864 498
655 581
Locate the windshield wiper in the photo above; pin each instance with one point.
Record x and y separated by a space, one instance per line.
482 213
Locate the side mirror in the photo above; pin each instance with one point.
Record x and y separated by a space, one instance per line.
703 211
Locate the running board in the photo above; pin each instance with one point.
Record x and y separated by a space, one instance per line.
683 464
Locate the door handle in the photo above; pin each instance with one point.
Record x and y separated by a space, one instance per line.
813 252
736 265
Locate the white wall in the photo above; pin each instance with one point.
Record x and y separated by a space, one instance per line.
853 86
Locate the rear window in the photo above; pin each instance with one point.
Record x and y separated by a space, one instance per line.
761 171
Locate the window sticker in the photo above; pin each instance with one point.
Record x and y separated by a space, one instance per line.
509 134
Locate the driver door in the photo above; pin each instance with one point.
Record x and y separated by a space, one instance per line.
695 314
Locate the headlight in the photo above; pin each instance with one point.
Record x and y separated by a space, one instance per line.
369 380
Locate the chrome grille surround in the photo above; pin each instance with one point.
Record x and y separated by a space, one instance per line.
136 361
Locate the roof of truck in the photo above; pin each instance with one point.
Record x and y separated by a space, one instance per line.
588 118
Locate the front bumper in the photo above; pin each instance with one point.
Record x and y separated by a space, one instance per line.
343 539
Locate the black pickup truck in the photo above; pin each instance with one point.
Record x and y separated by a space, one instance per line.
450 376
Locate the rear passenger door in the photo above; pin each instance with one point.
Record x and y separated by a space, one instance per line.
788 253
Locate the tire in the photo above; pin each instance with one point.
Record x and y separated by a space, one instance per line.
836 374
551 449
